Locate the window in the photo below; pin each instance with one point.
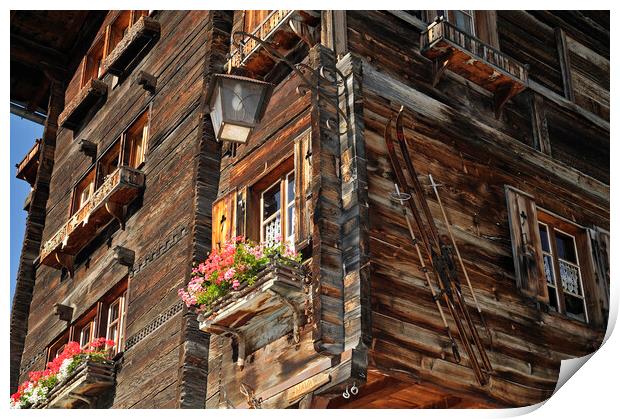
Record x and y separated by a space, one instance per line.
108 163
57 347
136 140
92 65
278 209
116 322
85 329
463 19
562 271
83 191
106 318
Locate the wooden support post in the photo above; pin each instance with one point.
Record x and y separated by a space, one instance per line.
334 31
540 130
502 95
565 67
117 211
66 261
439 67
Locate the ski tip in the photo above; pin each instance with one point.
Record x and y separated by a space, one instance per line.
402 108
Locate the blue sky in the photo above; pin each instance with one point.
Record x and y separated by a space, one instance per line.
23 135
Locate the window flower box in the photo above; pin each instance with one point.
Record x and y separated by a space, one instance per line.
254 293
74 379
118 190
140 37
89 96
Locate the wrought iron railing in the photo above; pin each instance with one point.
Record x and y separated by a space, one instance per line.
122 175
274 21
444 30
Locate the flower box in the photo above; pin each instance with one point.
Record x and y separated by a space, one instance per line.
140 37
260 313
81 389
88 97
108 201
76 378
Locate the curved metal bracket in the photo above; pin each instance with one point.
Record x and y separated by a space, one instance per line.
307 84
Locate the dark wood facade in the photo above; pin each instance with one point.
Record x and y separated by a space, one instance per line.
511 150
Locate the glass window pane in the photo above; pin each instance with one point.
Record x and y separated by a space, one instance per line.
290 226
553 298
566 247
575 307
114 311
571 278
544 238
463 21
548 265
290 188
272 231
271 201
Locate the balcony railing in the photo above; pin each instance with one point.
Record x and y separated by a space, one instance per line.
277 29
27 168
107 202
255 314
82 388
452 48
446 31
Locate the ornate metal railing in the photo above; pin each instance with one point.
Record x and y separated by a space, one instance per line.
123 176
444 30
274 21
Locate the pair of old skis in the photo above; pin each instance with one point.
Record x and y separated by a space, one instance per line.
439 255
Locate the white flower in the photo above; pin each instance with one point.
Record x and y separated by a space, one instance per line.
64 369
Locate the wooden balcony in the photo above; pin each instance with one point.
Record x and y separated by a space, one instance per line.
140 37
28 167
108 202
82 388
283 29
88 97
448 47
259 314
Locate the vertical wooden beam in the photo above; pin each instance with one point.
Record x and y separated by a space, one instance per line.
538 117
194 353
334 31
355 232
565 67
35 224
327 270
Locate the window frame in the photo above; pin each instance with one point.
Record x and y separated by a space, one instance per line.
553 224
279 176
120 321
106 44
97 318
451 15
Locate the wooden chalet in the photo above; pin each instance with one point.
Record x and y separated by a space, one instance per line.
444 174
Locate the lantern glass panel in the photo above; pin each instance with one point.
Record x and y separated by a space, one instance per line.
241 100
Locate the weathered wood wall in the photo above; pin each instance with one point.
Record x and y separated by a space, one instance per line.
159 223
455 138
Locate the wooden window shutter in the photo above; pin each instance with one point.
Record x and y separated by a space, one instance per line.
223 221
526 244
598 243
486 27
241 214
303 189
